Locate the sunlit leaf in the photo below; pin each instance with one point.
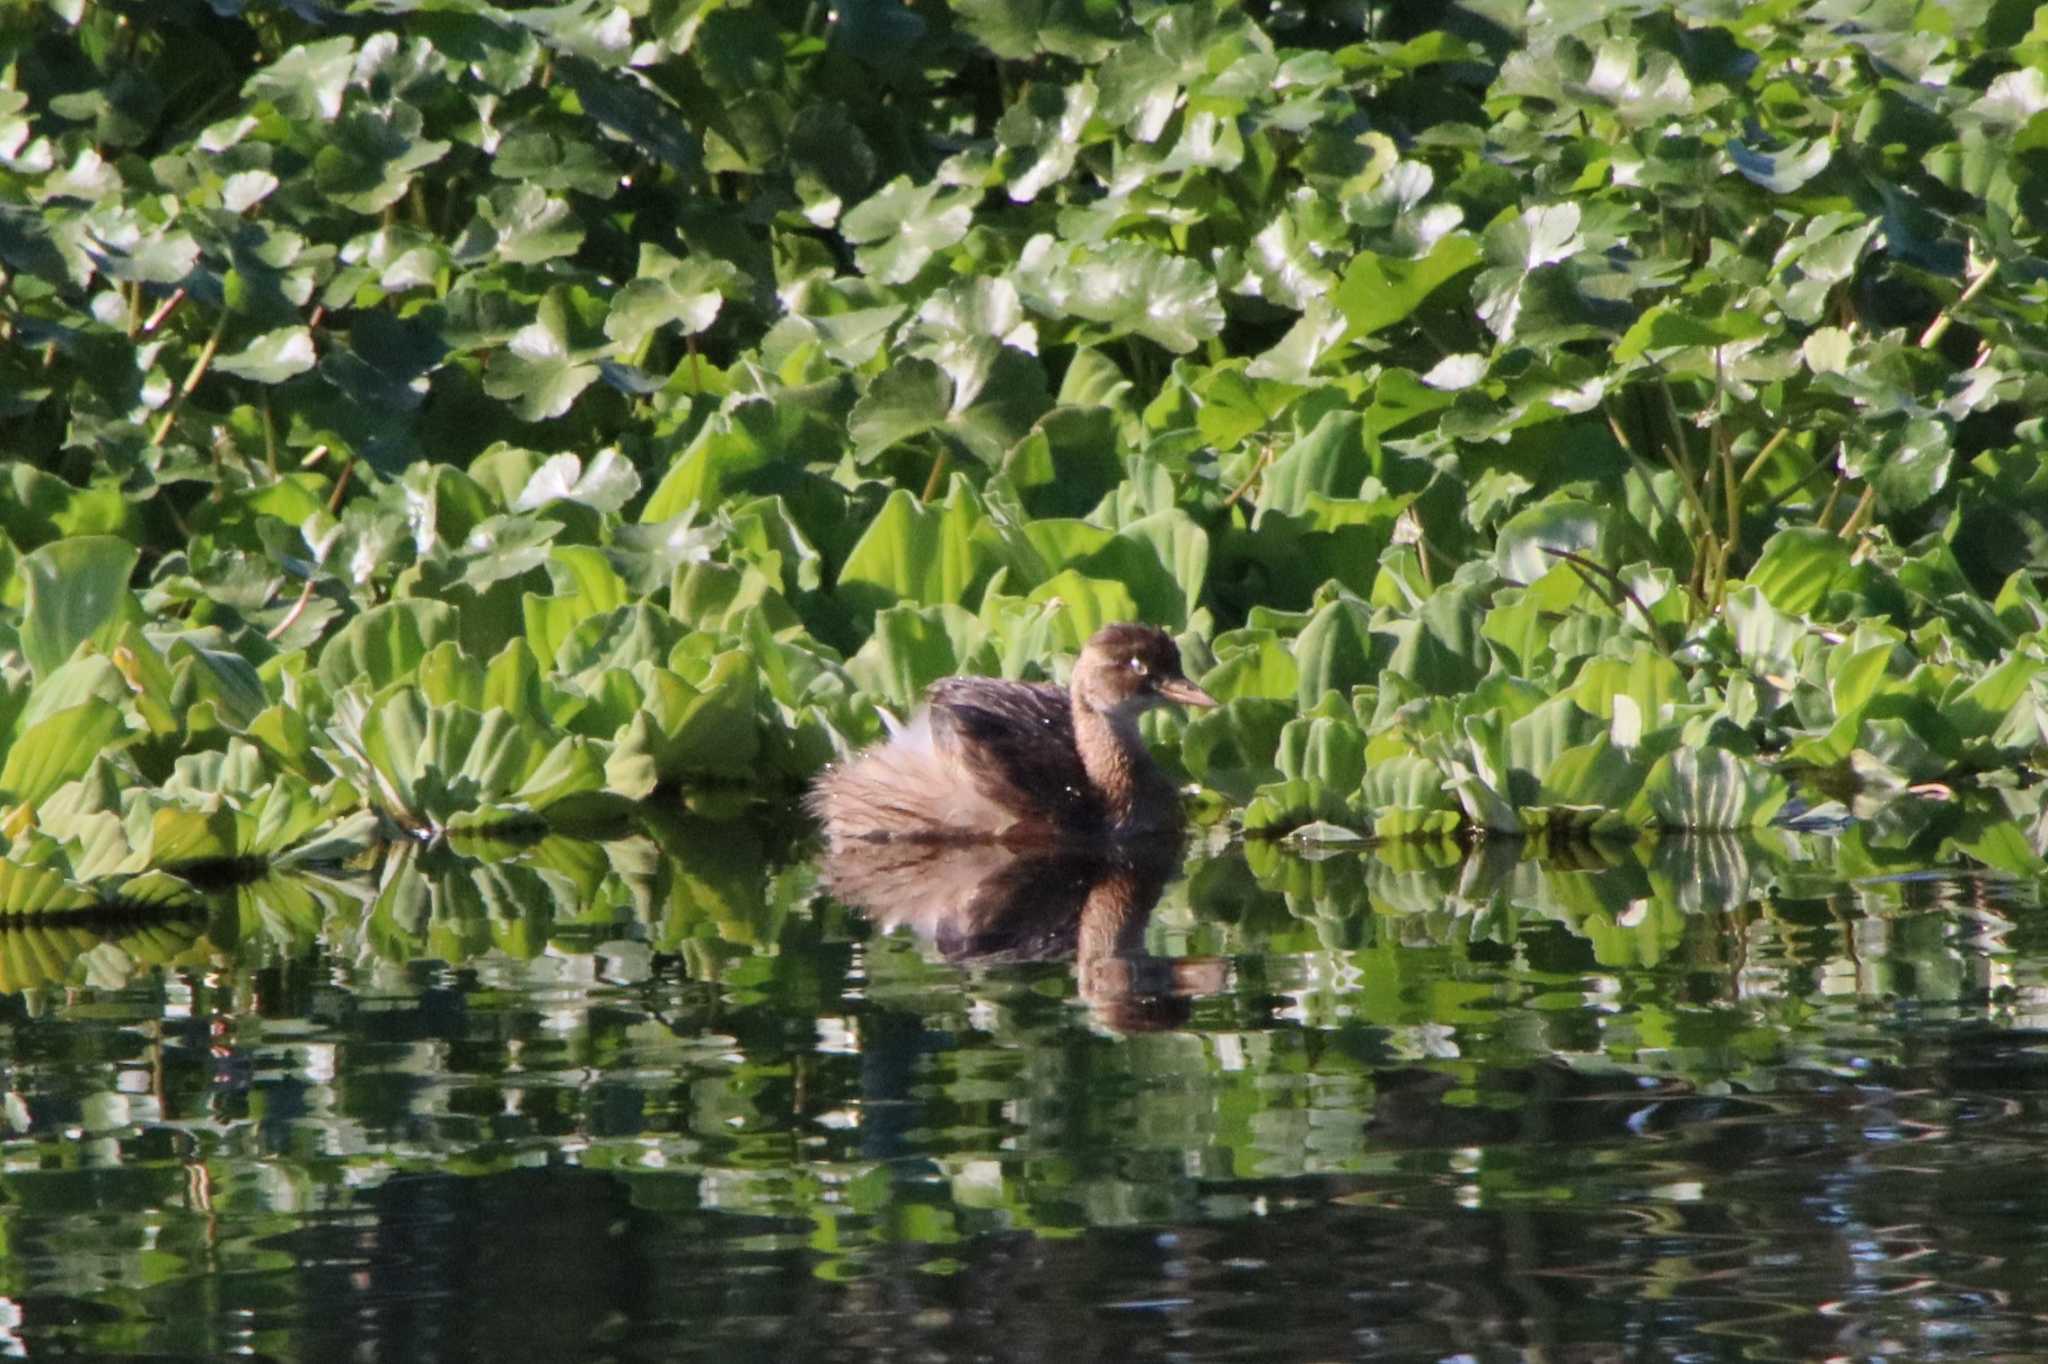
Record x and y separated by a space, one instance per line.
1128 287
1376 291
537 370
1797 567
522 225
55 749
271 358
386 643
902 226
1337 651
1708 790
917 553
307 81
607 484
77 589
1784 171
1665 327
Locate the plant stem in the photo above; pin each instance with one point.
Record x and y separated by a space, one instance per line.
1258 467
1801 482
1827 508
1861 514
1586 569
348 467
1643 466
1681 453
1731 484
198 372
298 608
1688 483
1763 456
163 310
1938 328
931 485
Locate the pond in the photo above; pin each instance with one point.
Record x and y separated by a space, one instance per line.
677 1096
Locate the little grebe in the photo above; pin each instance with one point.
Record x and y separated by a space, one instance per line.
1021 761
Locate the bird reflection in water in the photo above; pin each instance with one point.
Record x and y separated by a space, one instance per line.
983 903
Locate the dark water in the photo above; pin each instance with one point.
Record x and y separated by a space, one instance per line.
680 1100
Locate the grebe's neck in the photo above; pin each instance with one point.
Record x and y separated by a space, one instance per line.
1114 756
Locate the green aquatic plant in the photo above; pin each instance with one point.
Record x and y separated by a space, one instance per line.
473 420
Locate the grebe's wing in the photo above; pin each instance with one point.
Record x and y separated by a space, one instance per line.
1017 741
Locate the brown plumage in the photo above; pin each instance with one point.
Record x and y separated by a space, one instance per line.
1021 761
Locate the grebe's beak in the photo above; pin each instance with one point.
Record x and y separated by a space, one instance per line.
1186 693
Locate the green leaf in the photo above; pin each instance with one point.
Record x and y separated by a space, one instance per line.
682 731
831 160
632 634
1295 807
686 293
1231 748
1042 133
902 226
1785 171
915 396
606 485
1646 680
272 357
56 749
371 155
1016 30
915 553
1541 235
1707 791
520 225
1378 291
1164 560
1128 287
1987 702
1333 460
628 104
385 644
76 590
1533 542
537 370
573 768
179 837
1089 603
431 763
908 399
307 81
1327 752
1337 651
2004 846
1665 327
1252 663
1798 567
1907 463
911 648
30 891
540 157
1596 775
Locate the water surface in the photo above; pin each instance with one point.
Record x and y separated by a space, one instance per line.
678 1098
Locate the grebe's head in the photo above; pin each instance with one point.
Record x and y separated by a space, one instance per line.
1130 668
